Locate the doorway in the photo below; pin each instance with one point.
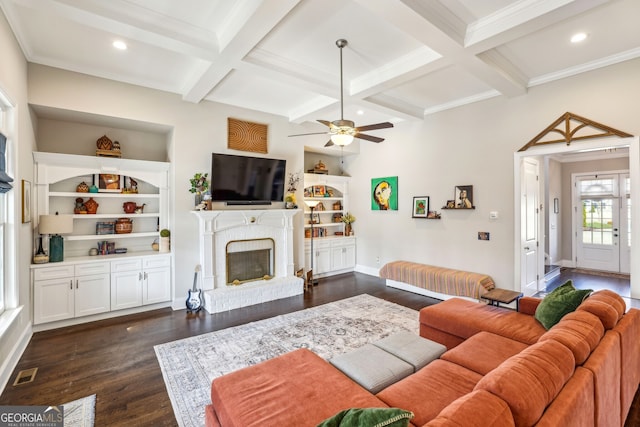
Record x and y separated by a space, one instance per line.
631 234
602 221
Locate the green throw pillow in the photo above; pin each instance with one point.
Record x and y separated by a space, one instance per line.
562 300
369 417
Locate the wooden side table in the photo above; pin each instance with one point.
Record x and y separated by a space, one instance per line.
505 296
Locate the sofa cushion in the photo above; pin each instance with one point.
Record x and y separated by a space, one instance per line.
530 380
261 395
562 300
579 331
372 367
476 409
573 407
462 318
628 329
430 390
607 305
483 352
604 365
411 348
356 417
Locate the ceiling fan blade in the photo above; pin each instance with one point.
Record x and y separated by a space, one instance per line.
368 137
384 125
314 133
325 122
329 144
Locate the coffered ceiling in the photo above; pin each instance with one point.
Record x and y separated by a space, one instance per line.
405 58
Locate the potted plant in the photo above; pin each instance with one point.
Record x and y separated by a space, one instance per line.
165 240
293 180
348 219
199 185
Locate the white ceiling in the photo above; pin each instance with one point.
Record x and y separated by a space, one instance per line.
405 58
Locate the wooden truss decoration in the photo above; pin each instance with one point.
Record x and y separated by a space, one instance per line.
569 135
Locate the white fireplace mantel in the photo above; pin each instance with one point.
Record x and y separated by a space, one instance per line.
219 227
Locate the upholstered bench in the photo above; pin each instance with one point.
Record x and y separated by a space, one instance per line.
377 365
437 281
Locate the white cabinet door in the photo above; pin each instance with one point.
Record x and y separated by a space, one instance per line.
126 289
53 300
337 258
343 254
322 262
92 295
350 256
157 285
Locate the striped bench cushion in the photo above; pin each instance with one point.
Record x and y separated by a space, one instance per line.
438 279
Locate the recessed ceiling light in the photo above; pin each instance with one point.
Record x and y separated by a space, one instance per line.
359 112
119 44
578 37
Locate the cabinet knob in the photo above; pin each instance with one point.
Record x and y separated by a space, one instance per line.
77 280
145 275
71 284
140 276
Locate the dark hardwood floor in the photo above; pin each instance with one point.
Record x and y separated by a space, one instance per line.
115 358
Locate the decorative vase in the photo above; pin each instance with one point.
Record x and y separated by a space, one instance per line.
347 230
124 226
91 205
104 143
82 187
198 198
165 244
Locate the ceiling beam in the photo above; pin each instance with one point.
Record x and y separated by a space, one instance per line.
256 25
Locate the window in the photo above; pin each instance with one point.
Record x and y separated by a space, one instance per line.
5 193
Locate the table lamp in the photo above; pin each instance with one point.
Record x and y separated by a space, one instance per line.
312 205
55 225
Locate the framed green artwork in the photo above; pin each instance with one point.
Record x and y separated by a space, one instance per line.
384 194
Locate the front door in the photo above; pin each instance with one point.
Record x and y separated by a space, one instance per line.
602 222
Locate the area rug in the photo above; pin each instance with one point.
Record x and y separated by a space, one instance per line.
189 365
81 412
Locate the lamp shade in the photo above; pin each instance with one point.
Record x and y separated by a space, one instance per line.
342 139
311 203
56 224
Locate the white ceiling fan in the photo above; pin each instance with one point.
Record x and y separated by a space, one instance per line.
342 132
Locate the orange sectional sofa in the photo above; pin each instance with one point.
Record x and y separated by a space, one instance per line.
502 368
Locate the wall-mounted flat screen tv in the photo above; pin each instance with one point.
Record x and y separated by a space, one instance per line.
247 180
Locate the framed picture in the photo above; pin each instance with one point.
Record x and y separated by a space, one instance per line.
420 207
26 201
384 194
108 182
319 190
464 197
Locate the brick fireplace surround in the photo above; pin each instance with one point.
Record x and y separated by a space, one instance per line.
218 228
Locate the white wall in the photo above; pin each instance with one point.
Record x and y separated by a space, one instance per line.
13 82
473 145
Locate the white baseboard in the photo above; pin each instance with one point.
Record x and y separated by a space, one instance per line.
371 271
14 356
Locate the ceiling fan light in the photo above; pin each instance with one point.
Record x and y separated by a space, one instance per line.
342 139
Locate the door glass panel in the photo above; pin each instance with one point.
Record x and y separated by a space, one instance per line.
597 221
597 187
